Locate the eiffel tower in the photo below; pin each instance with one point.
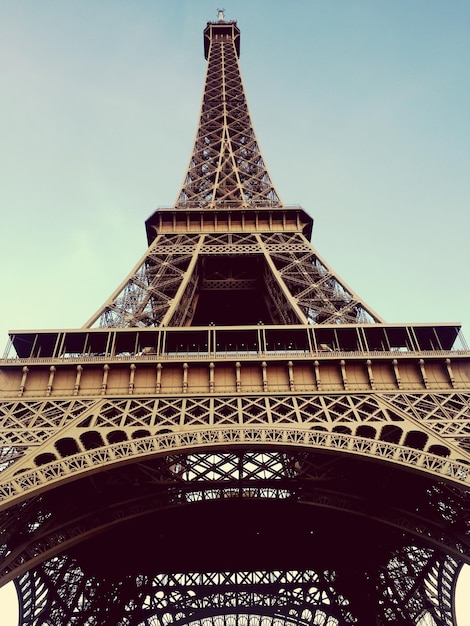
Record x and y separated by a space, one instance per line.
235 437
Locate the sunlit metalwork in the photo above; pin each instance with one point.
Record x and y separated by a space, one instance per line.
235 438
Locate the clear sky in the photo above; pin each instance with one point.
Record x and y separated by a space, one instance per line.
361 108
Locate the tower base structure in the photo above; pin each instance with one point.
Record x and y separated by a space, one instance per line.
236 473
235 438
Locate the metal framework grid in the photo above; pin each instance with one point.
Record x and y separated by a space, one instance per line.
300 286
326 486
226 167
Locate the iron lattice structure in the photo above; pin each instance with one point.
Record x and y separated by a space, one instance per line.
291 282
226 166
235 438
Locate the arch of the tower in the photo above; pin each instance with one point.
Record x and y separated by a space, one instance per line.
239 532
245 489
107 432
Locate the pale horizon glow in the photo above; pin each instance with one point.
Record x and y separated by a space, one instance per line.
360 109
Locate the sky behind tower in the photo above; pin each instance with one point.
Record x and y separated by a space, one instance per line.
360 108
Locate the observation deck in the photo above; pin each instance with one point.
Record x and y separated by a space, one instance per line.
226 359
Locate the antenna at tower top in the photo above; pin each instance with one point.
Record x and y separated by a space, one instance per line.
221 14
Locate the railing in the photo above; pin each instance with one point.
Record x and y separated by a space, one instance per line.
229 204
225 342
229 355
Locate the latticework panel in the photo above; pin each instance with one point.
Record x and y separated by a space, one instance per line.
298 285
145 296
243 598
415 587
446 415
226 166
53 439
320 293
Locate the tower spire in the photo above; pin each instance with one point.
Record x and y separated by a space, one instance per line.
226 168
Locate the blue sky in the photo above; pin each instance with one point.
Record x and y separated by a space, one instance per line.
360 107
361 110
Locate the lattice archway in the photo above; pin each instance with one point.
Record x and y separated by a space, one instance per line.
243 598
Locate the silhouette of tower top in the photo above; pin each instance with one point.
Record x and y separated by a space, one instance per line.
226 168
228 30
